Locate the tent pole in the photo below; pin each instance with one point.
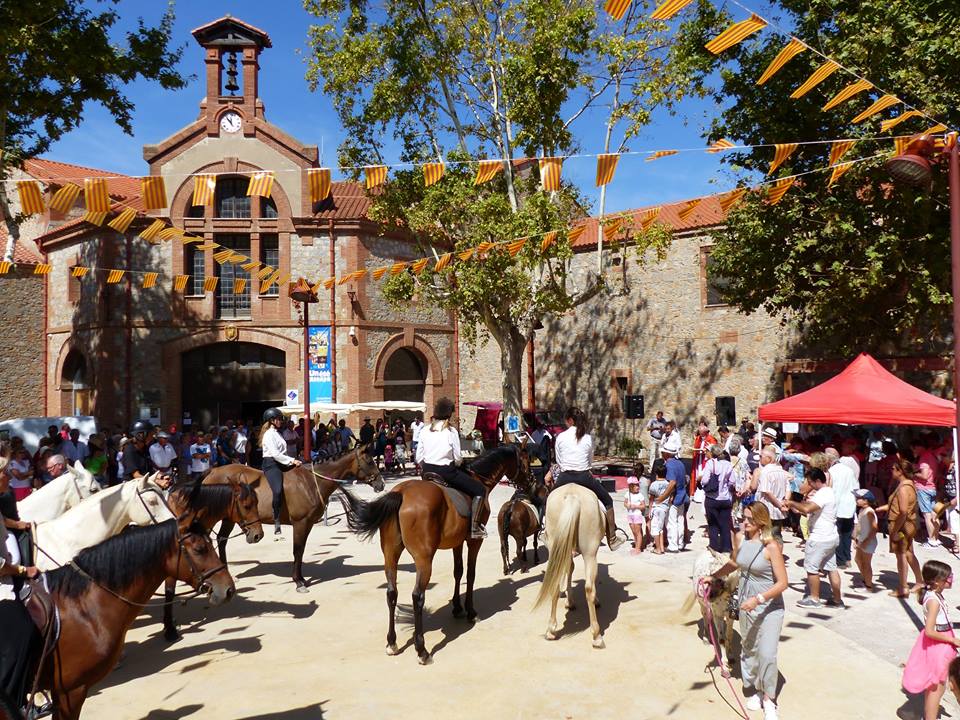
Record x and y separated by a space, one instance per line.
956 465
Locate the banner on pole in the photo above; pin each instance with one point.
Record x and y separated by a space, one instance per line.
321 379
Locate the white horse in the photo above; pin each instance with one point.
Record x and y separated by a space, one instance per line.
58 495
716 626
137 502
574 523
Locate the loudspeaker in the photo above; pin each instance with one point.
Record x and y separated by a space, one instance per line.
726 407
634 407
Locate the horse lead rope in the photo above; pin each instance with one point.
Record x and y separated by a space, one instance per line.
703 590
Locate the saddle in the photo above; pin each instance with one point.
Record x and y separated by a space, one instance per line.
36 598
460 500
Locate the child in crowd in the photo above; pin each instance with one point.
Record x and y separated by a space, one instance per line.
936 647
635 505
388 460
866 535
658 516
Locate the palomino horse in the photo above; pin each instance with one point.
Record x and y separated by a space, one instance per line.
58 495
137 502
208 505
519 519
420 517
305 496
574 523
716 628
101 593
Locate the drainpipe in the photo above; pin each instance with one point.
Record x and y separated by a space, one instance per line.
456 360
46 340
129 334
333 313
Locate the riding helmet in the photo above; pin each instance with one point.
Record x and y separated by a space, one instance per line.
141 427
443 409
272 414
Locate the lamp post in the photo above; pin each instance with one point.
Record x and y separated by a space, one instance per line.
301 292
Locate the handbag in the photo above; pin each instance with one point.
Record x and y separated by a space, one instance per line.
733 604
712 485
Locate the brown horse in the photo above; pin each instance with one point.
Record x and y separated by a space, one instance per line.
305 496
519 519
419 516
101 593
208 505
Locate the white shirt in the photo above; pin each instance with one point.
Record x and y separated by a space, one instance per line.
162 457
851 462
776 481
844 482
198 465
274 446
438 447
290 439
74 451
573 454
671 443
240 445
823 523
417 427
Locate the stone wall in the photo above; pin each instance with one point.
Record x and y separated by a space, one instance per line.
21 340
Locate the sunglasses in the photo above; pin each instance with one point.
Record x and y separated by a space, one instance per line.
748 519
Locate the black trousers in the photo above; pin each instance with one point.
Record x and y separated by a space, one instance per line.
457 479
587 480
19 644
274 472
719 522
845 528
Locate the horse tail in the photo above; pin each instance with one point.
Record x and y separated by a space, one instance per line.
563 540
366 518
505 530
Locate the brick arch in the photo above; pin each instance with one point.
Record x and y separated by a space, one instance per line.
68 346
419 346
181 198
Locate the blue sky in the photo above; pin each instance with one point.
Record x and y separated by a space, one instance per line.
310 117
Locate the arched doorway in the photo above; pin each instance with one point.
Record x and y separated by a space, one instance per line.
75 392
404 376
231 381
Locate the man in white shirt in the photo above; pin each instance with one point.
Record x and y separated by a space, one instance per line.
162 454
415 428
773 487
820 553
200 456
73 449
241 445
844 483
670 442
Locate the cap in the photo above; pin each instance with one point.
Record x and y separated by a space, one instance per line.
162 435
633 480
770 432
864 494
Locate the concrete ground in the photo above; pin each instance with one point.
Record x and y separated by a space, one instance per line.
276 653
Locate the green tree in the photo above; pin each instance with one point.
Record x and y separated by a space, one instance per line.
58 55
505 79
863 264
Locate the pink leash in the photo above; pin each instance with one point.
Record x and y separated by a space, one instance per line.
703 591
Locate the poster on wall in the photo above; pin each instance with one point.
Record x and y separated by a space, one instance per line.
321 379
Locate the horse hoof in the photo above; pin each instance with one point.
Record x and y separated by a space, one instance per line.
426 659
596 603
472 616
302 588
598 643
458 612
393 650
171 635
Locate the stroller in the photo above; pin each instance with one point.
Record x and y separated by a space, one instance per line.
389 458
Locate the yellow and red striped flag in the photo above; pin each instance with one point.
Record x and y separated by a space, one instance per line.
95 194
515 246
347 278
180 282
616 8
79 271
611 229
208 245
647 218
788 53
736 33
250 266
261 183
432 172
879 105
210 283
465 254
419 265
319 181
900 144
375 175
169 233
487 170
729 199
688 208
606 167
575 232
190 239
268 283
31 197
720 146
669 8
818 76
443 261
204 187
548 239
854 88
398 268
938 128
151 231
42 269
329 282
95 218
839 148
779 189
5 267
121 223
153 191
264 272
115 276
223 255
149 280
64 199
782 153
484 246
838 171
550 173
660 154
886 125
379 272
239 285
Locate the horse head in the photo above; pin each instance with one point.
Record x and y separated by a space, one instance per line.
248 509
366 468
199 566
147 505
84 483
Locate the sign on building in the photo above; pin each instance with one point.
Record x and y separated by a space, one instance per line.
292 397
321 378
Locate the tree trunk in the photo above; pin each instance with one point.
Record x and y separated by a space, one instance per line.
512 345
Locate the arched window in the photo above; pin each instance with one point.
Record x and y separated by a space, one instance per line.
231 199
404 376
74 385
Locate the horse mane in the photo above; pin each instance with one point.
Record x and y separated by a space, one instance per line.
116 562
486 463
215 498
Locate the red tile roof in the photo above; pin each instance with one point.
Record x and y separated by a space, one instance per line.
122 188
707 214
25 252
204 31
348 201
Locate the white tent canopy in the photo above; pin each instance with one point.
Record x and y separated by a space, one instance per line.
346 409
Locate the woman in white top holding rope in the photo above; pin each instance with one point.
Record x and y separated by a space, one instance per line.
275 459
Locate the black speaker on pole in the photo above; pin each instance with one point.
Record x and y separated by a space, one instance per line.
634 407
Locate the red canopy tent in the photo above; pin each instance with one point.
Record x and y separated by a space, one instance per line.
865 393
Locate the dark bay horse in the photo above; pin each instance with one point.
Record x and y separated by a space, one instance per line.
519 519
305 496
418 516
209 504
99 599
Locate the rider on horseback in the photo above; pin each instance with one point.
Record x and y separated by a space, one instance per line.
574 449
438 452
275 459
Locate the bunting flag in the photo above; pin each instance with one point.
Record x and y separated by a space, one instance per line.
729 199
351 276
880 104
516 246
222 256
121 223
149 280
669 8
466 254
208 245
95 195
854 88
736 34
574 233
487 170
153 191
204 187
78 271
265 271
379 272
5 267
779 189
550 173
114 276
239 285
606 167
329 282
660 154
191 239
838 149
64 198
315 289
483 247
398 268
939 127
720 146
548 239
375 175
261 184
31 197
419 265
611 229
900 144
616 8
890 124
180 282
319 181
268 283
432 172
688 208
781 155
250 266
42 269
819 75
646 220
788 53
838 171
443 261
169 233
210 283
95 218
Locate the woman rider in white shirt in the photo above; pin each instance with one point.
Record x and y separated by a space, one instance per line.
574 449
438 452
275 459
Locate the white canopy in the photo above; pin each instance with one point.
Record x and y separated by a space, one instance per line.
345 409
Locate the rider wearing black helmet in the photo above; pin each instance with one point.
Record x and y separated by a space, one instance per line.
136 461
275 459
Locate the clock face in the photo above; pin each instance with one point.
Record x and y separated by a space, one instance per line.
230 122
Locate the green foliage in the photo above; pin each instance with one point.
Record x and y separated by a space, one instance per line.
629 446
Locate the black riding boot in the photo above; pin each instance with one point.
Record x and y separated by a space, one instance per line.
477 530
613 542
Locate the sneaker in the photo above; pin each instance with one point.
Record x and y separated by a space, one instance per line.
753 702
834 604
276 528
809 602
616 543
769 710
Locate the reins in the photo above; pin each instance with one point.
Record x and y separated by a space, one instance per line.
703 591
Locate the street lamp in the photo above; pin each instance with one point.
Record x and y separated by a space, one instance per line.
913 168
301 292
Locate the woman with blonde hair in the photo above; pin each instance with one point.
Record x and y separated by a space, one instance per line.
763 578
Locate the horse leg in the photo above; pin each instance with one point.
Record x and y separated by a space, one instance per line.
169 628
457 574
392 546
590 584
424 563
223 534
69 704
571 605
552 628
504 548
536 547
473 549
301 531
